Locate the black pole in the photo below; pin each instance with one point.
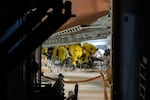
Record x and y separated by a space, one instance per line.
76 91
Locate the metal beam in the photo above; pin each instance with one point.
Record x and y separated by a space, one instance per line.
97 30
84 35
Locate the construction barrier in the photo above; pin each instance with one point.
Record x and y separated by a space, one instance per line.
105 83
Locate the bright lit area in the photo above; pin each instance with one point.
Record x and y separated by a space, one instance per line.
81 54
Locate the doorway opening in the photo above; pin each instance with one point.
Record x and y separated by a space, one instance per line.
79 57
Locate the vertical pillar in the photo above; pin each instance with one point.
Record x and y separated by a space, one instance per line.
126 48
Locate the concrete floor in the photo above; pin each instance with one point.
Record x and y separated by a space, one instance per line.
89 90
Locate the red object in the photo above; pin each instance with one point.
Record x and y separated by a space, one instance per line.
86 11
